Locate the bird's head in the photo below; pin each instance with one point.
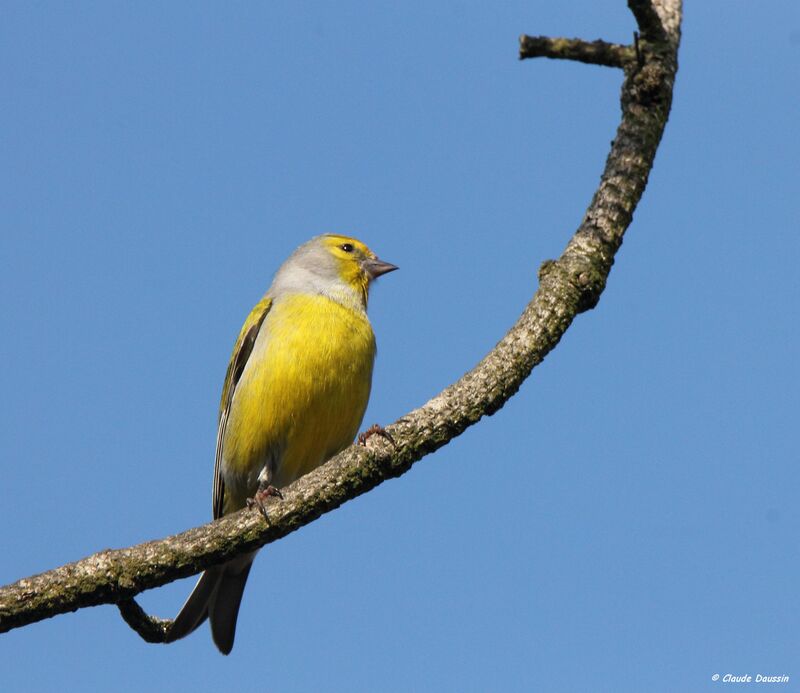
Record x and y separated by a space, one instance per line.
338 266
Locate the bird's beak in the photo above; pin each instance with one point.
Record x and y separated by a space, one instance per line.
375 267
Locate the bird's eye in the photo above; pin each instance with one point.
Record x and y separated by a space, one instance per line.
347 247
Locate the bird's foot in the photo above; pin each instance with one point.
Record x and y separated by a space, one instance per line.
259 500
375 430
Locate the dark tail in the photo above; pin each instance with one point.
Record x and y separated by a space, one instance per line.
216 596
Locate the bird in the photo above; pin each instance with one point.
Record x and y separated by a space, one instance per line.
294 395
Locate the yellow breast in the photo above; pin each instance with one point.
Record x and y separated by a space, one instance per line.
301 396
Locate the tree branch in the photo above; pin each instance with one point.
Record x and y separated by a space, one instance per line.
567 287
595 53
151 628
648 19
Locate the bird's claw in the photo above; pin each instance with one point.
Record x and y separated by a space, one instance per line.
259 500
375 430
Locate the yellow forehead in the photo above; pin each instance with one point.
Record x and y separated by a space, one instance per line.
332 240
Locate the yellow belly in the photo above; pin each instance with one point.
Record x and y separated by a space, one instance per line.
301 396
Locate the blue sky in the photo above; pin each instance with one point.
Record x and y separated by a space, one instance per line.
627 522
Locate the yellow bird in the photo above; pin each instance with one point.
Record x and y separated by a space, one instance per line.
294 395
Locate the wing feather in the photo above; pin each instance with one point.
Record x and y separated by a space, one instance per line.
241 353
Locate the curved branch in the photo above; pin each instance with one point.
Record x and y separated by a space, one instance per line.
151 628
568 286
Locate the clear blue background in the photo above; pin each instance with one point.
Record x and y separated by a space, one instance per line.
628 522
